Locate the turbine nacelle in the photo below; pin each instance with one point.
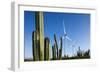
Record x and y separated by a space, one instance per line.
66 37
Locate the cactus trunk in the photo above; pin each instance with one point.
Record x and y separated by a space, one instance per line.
56 45
60 50
34 48
40 34
46 48
53 52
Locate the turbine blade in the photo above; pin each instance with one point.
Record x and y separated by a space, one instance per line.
68 38
64 27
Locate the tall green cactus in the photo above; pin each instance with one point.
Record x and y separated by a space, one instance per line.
56 45
34 48
60 50
39 21
46 48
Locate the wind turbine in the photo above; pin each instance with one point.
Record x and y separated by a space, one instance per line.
65 37
65 34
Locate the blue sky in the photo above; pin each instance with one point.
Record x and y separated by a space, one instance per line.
77 27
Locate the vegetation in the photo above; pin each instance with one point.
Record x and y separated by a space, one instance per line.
46 48
56 51
79 55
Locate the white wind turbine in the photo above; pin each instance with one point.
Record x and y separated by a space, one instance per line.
65 37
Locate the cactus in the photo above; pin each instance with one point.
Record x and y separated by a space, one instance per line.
34 48
40 34
79 52
56 46
40 46
60 50
46 48
54 52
